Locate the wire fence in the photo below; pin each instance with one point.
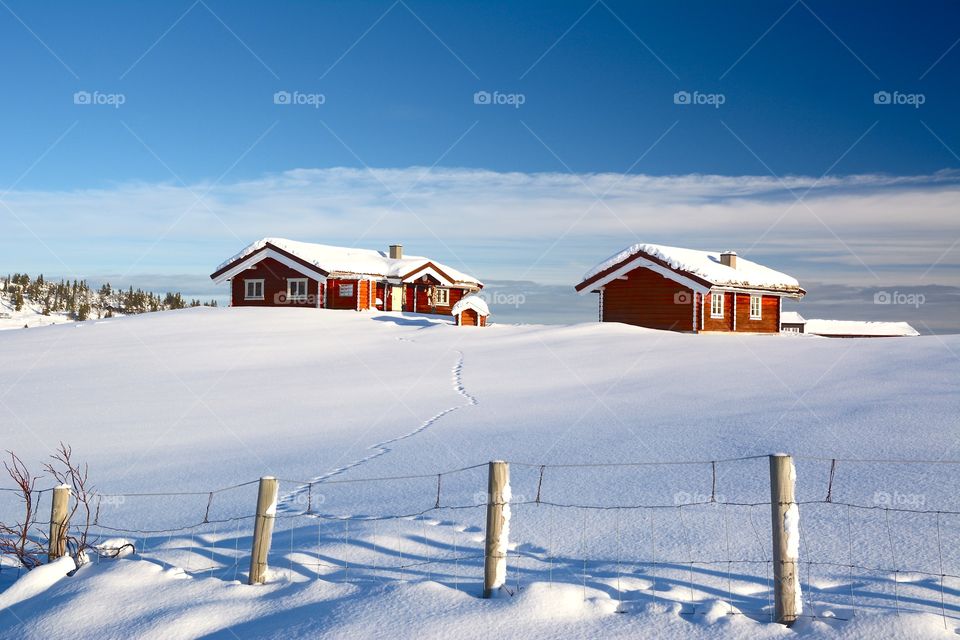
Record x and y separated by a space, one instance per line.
691 537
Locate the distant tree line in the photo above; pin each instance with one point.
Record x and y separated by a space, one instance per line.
80 302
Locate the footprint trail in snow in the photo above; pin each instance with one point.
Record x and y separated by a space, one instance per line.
287 502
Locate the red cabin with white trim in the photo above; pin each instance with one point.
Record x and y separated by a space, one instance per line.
689 290
275 272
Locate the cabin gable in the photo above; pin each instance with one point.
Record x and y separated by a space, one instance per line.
268 251
647 299
274 286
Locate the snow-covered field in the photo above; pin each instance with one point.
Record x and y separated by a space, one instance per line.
202 399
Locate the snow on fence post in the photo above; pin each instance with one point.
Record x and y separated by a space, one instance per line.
498 527
788 604
263 529
59 522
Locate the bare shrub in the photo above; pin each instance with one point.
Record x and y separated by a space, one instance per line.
15 539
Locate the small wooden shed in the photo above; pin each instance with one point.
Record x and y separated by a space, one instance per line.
471 311
792 322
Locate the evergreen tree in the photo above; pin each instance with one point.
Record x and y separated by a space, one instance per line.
76 298
173 301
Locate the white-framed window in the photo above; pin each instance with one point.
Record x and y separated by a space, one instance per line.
345 290
716 304
442 297
755 307
297 289
253 289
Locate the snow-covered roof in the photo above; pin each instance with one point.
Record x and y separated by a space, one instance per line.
858 328
348 260
701 265
472 301
791 317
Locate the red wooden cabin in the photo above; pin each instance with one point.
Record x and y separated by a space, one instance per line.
678 289
275 272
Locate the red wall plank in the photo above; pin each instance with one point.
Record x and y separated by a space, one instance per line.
647 299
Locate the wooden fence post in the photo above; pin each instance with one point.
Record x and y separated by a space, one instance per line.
59 522
263 529
498 527
788 604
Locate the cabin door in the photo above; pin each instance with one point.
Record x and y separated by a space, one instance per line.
396 298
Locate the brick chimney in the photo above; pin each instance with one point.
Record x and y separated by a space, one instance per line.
396 251
729 259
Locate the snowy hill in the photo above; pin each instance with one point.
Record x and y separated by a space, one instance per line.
35 302
202 399
31 315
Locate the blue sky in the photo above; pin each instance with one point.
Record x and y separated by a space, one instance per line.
198 159
402 94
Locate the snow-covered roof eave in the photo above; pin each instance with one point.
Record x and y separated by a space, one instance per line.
704 268
472 301
226 272
786 293
347 262
840 328
797 292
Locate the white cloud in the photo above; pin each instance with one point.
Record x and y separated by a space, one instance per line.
546 226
